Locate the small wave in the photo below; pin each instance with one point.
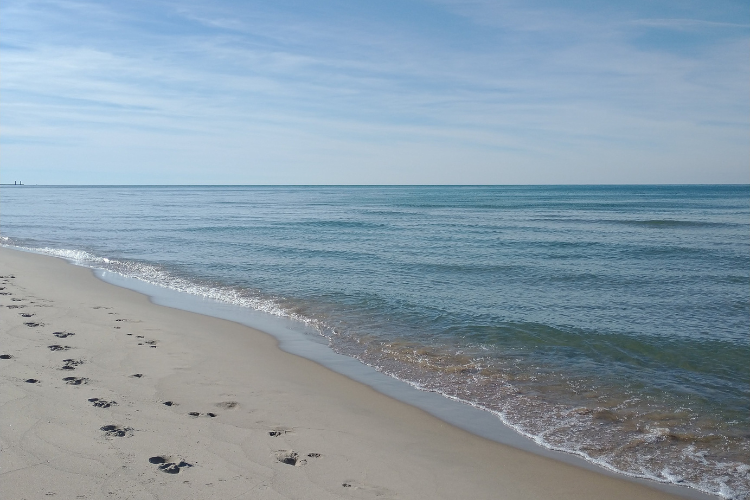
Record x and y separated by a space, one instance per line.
156 275
670 223
717 487
555 427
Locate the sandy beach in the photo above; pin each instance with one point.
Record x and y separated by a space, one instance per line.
106 395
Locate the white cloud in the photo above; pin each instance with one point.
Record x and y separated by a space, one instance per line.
534 91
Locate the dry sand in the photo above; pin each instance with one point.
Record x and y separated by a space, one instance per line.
143 401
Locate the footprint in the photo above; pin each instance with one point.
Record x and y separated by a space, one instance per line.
31 381
278 432
137 375
16 300
62 335
314 455
15 307
165 465
26 315
228 405
290 457
196 414
58 347
116 431
169 403
5 356
76 380
70 364
101 403
31 324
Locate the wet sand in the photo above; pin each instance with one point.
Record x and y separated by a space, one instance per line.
106 395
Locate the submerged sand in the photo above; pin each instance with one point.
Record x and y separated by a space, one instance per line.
106 395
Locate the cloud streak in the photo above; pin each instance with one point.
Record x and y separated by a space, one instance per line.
487 92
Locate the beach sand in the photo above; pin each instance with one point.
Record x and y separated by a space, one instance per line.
106 395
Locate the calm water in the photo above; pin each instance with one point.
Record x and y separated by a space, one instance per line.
610 322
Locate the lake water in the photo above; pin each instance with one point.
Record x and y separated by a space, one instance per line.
609 322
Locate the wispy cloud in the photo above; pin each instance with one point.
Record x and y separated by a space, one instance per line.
504 90
686 24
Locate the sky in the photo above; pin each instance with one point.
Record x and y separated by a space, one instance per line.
375 92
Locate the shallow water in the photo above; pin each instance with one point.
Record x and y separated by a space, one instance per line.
611 322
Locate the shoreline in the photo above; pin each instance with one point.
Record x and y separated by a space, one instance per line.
369 444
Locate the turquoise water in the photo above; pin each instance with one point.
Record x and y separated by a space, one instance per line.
610 322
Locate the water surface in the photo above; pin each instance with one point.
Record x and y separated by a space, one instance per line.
610 322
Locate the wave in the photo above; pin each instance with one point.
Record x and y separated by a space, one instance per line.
462 377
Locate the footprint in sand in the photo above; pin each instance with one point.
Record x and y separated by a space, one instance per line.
279 431
76 380
32 324
15 307
290 457
5 356
26 315
70 364
31 381
195 414
169 403
137 375
101 403
63 335
168 466
58 347
228 405
112 431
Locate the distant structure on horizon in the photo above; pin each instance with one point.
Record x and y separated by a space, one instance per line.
15 183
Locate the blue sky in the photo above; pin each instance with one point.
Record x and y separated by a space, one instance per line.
375 92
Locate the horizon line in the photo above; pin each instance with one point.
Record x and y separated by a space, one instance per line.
377 185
